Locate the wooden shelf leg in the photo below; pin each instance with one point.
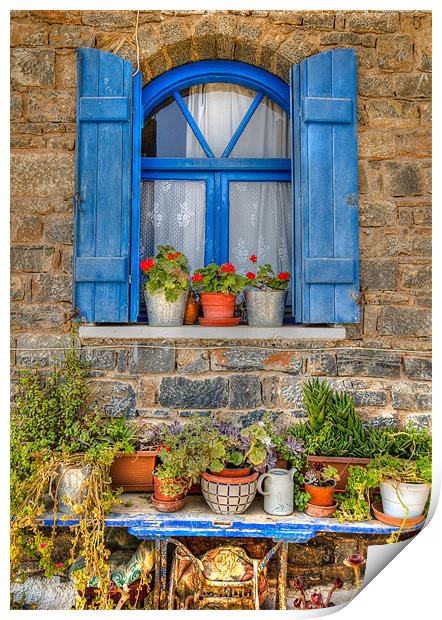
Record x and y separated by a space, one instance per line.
163 574
156 588
281 582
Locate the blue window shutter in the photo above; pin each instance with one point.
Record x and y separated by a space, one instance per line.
325 188
138 122
103 186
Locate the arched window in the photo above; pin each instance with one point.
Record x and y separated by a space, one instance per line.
215 165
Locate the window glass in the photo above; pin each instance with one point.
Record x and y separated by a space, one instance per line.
173 213
260 223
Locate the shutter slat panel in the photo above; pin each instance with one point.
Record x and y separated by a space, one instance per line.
104 160
327 206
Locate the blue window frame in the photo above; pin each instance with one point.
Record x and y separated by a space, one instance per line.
321 102
217 172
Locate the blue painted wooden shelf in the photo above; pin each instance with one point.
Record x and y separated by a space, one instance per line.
196 519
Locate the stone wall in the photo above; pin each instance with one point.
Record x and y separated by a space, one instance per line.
394 88
385 361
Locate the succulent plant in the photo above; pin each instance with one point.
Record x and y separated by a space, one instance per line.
317 396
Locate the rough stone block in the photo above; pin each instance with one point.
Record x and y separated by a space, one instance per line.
411 396
55 593
256 359
204 38
422 216
51 287
418 368
415 276
373 21
109 20
71 36
28 34
147 392
392 114
100 359
16 106
59 230
412 85
244 392
39 316
58 17
35 350
31 258
114 398
66 71
377 144
146 360
26 228
192 362
402 179
322 364
377 213
396 321
33 67
368 398
42 174
375 86
379 275
368 363
419 420
17 292
225 39
283 391
319 20
180 392
395 53
51 106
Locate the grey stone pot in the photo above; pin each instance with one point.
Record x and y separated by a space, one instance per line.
71 486
265 308
162 313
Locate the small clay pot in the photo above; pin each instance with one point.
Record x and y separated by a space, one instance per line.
192 309
320 511
173 506
320 496
234 472
218 305
160 496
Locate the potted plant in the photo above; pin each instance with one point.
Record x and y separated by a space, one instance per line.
166 287
319 483
185 452
219 286
266 295
137 448
334 432
57 456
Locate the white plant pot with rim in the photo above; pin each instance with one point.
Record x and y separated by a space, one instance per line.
404 500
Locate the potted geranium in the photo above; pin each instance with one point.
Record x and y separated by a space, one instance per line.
320 482
218 286
167 286
266 295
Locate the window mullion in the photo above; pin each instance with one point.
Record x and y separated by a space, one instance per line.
247 116
194 127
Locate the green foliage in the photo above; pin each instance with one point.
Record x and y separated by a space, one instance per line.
121 434
342 413
169 274
267 279
218 279
317 395
259 440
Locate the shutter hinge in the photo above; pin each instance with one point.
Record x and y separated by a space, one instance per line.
299 111
130 279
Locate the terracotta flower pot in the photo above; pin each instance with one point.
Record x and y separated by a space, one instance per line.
134 472
159 492
320 511
218 305
320 496
341 463
234 472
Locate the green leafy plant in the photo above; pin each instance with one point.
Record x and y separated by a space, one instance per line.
266 279
54 424
320 475
218 279
342 413
167 272
317 396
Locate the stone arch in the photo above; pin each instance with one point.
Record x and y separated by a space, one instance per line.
255 40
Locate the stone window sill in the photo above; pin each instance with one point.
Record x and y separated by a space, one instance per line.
195 332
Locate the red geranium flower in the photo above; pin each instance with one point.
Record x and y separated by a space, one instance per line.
147 264
197 277
29 540
60 564
253 258
43 545
250 275
283 275
171 256
228 268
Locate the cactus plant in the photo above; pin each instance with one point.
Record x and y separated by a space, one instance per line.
342 412
317 396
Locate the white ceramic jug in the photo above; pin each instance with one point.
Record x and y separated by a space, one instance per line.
278 492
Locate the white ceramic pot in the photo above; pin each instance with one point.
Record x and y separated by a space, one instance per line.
397 498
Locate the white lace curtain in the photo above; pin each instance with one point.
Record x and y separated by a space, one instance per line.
173 212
